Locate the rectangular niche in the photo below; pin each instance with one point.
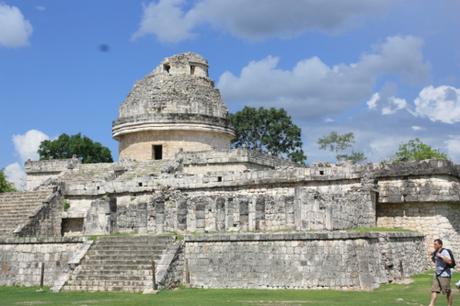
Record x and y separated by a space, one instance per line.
71 226
157 152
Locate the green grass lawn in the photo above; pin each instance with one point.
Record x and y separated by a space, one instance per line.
416 293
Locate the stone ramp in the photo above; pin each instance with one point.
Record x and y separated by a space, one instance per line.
121 263
17 207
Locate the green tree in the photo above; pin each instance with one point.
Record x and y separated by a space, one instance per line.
66 146
269 130
342 146
416 150
5 186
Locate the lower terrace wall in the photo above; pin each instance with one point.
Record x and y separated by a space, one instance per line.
21 259
434 220
302 260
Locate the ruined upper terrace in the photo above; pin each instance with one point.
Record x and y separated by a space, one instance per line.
397 182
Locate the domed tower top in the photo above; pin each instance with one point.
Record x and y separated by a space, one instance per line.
188 63
176 105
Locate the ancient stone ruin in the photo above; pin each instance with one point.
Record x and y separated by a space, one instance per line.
181 207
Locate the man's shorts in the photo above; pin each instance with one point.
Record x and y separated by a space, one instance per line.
440 284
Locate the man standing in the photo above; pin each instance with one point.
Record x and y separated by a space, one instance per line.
441 279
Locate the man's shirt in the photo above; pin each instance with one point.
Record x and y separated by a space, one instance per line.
442 266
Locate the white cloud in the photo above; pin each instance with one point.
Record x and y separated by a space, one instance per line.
381 146
372 103
313 88
439 104
26 145
394 104
170 21
453 147
16 175
166 21
417 128
15 30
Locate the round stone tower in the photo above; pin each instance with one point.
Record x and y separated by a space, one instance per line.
174 108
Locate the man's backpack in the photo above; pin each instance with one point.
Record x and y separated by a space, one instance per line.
452 264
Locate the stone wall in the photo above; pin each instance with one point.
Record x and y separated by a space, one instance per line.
40 171
138 146
302 260
419 189
334 207
434 220
21 259
236 160
317 206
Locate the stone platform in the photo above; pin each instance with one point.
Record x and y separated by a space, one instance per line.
333 260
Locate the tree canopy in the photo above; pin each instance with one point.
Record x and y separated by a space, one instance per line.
415 149
342 146
66 146
5 186
269 130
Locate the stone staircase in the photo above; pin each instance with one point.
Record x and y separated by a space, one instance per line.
16 207
121 263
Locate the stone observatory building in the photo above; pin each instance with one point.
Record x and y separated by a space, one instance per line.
175 108
181 207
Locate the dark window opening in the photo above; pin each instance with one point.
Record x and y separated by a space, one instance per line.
71 225
157 152
321 172
140 184
219 178
166 67
192 69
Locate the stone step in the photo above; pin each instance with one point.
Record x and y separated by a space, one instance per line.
128 244
119 263
123 239
22 201
103 288
112 277
129 283
14 218
136 248
19 212
124 267
136 253
113 262
17 206
133 242
124 255
133 247
23 195
146 270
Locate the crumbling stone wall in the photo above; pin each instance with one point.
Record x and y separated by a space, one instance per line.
266 208
40 171
434 220
46 220
223 162
334 207
21 259
302 260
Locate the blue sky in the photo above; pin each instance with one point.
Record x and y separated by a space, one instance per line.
389 71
